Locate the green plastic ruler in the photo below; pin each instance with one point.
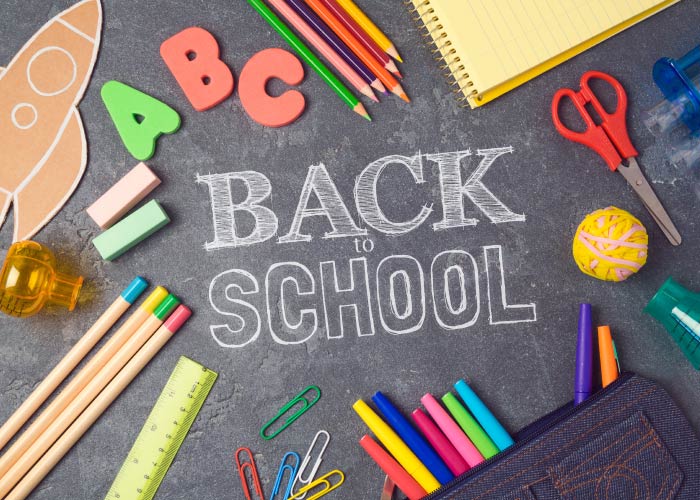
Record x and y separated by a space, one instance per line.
163 433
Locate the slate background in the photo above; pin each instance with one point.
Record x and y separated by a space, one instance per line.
522 370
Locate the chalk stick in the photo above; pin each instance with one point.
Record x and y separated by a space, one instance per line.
123 196
131 230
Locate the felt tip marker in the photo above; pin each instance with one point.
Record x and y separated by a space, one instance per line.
440 443
412 438
391 468
483 415
609 370
471 428
583 378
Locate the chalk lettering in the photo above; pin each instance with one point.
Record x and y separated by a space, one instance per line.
500 312
289 285
455 270
401 294
348 306
223 290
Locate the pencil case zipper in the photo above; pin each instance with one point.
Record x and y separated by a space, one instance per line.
528 434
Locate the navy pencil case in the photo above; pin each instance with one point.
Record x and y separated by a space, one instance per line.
627 441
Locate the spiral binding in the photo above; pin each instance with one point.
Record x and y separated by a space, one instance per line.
437 39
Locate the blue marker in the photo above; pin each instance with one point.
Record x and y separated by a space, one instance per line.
483 415
413 439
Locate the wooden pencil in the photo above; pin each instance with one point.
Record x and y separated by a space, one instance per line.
93 412
59 373
368 25
349 39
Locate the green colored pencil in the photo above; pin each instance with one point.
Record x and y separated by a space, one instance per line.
309 57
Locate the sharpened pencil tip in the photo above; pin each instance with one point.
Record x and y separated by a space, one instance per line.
391 50
360 110
404 97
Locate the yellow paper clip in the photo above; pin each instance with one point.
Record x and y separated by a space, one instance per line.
248 463
321 481
299 398
304 477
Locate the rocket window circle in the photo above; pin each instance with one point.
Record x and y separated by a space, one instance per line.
19 117
57 57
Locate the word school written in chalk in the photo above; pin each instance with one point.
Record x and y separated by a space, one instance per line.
459 180
348 298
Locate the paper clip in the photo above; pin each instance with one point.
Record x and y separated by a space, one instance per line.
306 404
307 459
280 475
321 481
250 465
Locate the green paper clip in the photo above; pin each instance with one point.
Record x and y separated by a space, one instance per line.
298 398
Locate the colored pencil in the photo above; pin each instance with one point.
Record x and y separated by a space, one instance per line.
99 405
332 39
71 360
334 23
303 51
362 36
326 50
377 35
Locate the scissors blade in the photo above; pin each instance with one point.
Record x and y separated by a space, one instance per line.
388 490
634 176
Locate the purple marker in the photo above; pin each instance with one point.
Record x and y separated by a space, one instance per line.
583 378
332 39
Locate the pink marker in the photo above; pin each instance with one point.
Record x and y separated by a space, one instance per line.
440 443
460 441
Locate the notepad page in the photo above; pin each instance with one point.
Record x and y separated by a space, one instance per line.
497 40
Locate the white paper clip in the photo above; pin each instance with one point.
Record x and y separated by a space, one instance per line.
307 459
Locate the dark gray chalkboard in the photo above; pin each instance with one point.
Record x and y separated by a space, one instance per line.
523 370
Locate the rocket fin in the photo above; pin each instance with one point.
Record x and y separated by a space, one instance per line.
38 200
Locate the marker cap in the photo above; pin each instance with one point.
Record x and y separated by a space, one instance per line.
154 299
166 307
134 290
178 318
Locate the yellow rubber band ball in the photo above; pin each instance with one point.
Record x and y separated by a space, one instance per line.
610 244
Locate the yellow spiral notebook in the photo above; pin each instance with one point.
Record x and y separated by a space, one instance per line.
489 47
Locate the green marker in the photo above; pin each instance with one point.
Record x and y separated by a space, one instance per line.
309 57
470 426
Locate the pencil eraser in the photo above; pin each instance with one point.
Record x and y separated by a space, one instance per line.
131 230
123 196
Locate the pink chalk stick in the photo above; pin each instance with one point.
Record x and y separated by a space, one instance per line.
123 196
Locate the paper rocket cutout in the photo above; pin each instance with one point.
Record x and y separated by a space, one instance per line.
42 140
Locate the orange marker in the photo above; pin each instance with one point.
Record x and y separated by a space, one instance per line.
365 56
609 368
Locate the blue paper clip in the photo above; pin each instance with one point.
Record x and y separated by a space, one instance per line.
299 398
303 477
280 475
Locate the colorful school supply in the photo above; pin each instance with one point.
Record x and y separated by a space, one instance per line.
44 151
362 53
64 367
413 439
100 404
310 17
440 443
388 489
678 310
609 369
453 432
396 447
489 47
471 428
326 50
583 377
289 420
25 453
611 141
131 230
29 281
483 415
123 196
362 36
391 467
372 30
173 414
248 463
610 244
300 48
303 477
292 467
323 481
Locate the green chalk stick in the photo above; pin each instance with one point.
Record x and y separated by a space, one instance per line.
470 426
131 230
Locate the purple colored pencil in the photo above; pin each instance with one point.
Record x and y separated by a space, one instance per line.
332 39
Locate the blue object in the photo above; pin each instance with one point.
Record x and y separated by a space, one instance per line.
280 475
413 439
483 415
134 290
678 85
583 378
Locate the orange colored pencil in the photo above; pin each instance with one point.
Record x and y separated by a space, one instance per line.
365 56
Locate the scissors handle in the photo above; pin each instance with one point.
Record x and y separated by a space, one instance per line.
609 139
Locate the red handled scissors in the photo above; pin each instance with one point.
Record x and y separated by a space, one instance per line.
611 141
